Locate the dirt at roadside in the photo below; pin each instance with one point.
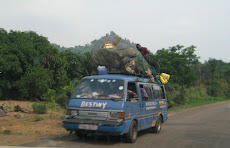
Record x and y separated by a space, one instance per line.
17 128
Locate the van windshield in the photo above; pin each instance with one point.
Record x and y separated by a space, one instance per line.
112 89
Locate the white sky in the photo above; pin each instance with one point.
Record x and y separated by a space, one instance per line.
154 24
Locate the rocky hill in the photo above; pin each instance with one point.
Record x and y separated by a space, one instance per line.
97 43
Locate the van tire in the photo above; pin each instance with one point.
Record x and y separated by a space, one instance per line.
157 127
131 136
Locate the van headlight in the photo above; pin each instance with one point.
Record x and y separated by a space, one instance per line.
71 113
117 115
114 115
74 112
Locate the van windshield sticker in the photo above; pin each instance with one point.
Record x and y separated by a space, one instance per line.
93 104
121 88
92 80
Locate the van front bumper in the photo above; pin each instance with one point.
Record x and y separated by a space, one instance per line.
104 127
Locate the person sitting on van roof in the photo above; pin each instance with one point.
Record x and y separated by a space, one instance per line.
146 54
144 51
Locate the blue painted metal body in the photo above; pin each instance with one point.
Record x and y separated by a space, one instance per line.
144 112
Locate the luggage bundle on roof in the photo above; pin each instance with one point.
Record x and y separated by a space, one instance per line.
123 61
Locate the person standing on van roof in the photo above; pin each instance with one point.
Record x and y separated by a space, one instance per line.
144 51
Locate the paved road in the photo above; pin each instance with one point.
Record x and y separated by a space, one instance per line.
206 126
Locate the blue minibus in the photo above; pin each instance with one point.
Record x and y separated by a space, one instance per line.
116 105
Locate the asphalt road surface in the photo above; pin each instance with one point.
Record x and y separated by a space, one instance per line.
205 126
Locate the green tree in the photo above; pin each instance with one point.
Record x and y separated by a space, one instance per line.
35 83
20 53
213 73
179 62
227 74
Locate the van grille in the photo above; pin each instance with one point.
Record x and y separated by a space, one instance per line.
95 115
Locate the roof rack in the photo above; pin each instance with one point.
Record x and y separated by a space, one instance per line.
122 70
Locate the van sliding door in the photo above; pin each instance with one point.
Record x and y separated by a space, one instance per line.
148 116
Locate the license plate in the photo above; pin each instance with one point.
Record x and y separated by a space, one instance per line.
88 127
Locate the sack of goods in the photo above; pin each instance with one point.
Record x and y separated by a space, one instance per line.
123 61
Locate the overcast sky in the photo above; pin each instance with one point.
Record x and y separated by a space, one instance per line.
154 24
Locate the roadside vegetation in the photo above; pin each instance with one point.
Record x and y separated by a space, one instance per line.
34 69
39 108
36 75
30 126
9 133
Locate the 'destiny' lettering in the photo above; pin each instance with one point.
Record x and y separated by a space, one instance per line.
99 104
93 104
82 104
104 104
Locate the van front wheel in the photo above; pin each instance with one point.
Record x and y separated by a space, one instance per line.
157 127
132 134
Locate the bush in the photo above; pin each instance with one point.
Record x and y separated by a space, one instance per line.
62 98
39 108
62 101
35 83
38 118
173 90
227 93
180 98
50 96
214 89
195 92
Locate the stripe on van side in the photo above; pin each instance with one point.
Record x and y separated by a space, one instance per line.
142 116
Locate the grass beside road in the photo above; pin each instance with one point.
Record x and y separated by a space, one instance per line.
9 133
198 102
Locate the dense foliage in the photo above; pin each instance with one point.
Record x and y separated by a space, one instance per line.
187 73
30 66
178 61
33 68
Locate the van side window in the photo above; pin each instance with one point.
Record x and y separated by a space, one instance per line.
157 92
146 92
132 92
